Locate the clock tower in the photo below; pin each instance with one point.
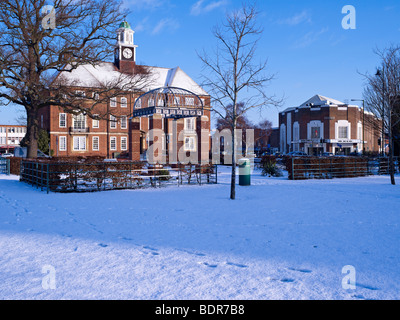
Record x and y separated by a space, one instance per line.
125 49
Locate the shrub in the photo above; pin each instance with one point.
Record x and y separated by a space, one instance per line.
269 167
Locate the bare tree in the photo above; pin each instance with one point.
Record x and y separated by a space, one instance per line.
382 97
38 41
233 75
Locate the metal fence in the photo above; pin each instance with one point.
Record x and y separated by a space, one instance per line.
90 177
338 167
5 166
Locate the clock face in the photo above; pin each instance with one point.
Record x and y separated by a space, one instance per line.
127 53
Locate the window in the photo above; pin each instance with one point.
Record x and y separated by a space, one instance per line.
343 132
96 96
138 103
124 103
113 122
79 144
95 143
124 143
189 144
95 122
113 102
177 101
296 132
80 94
190 124
63 143
79 121
189 101
160 103
315 132
124 122
151 102
63 120
113 143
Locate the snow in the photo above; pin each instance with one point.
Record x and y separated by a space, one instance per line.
280 239
105 73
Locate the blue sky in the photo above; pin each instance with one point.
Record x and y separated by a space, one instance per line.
307 49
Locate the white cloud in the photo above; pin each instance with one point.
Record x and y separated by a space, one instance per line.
309 38
147 4
201 7
165 24
297 19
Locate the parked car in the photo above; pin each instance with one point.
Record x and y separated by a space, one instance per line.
297 154
7 155
327 154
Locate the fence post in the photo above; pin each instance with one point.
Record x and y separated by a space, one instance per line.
48 176
104 176
8 166
200 173
292 168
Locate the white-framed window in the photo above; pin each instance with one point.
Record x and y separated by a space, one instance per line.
177 101
190 124
160 103
315 133
79 121
95 122
113 143
189 101
360 131
80 94
113 122
124 102
62 143
296 132
113 102
138 103
190 144
79 143
95 96
343 133
124 143
151 103
124 122
95 143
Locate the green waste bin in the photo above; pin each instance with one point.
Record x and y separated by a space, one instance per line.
244 172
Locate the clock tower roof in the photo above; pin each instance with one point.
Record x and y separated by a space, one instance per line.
125 25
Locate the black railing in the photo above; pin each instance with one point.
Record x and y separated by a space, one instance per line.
89 177
5 166
337 167
79 130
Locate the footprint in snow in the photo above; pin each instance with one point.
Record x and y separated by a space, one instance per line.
287 280
103 245
236 265
300 270
210 265
153 251
366 287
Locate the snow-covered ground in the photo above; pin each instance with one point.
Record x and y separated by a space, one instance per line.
280 239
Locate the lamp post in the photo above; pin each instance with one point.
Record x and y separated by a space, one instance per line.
363 121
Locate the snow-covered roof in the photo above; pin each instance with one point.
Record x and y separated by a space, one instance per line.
106 72
319 101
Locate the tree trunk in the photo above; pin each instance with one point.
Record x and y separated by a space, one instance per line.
32 131
233 175
391 159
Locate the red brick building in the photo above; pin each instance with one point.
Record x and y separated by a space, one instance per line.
122 132
322 125
10 137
